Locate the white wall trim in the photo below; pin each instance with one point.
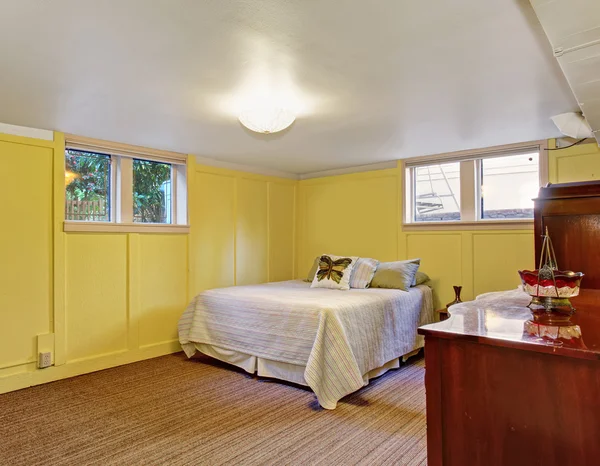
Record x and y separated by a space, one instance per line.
28 375
27 132
350 170
245 168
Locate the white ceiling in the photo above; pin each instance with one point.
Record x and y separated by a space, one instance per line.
373 80
573 28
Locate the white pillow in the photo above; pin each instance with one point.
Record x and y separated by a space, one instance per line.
363 272
334 272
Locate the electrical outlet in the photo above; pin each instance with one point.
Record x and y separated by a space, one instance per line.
44 360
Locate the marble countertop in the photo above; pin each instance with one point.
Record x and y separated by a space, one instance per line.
503 319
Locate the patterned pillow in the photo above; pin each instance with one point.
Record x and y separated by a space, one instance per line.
363 272
334 272
398 275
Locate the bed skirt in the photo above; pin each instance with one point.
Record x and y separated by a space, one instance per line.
281 370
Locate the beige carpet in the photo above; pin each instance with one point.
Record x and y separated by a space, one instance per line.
171 410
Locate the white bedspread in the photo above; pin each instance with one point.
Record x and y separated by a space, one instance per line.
338 335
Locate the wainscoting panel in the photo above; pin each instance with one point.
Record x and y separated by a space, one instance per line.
212 216
25 250
441 259
96 297
498 256
281 231
349 215
162 295
251 232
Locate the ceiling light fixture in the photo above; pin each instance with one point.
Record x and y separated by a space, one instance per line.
267 120
573 125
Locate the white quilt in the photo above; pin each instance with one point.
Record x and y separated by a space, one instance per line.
338 335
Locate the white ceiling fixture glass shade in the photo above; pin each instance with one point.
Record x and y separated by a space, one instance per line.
573 125
267 120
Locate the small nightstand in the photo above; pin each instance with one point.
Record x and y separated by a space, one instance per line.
442 314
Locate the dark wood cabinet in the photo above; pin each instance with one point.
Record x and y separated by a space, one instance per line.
498 395
571 212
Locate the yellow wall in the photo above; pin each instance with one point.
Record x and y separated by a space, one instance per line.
101 299
25 249
360 214
242 229
578 163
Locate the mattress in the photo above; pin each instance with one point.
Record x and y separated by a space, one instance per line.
336 337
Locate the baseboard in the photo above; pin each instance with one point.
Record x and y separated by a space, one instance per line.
31 376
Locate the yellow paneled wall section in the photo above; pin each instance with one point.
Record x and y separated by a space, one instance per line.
282 198
212 242
25 249
98 300
162 285
96 294
441 256
578 163
252 232
242 229
349 214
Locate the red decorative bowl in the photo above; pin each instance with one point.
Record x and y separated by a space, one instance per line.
567 283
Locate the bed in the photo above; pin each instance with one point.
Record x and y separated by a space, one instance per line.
329 340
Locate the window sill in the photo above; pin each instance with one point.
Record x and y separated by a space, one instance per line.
516 224
106 227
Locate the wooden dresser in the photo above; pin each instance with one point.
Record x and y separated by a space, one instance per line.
498 393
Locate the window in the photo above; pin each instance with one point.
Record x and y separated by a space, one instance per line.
497 185
88 182
151 192
437 192
122 187
508 185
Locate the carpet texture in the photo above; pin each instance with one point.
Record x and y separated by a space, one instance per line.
171 410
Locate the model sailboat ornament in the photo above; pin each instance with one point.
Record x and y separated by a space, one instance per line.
549 287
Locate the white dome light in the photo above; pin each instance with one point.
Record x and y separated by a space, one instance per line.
573 125
267 120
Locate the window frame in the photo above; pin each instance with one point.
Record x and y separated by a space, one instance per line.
109 191
121 196
470 187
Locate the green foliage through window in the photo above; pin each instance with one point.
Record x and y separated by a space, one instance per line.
151 192
87 179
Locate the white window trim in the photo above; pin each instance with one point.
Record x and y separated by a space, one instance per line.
470 209
111 227
121 204
124 150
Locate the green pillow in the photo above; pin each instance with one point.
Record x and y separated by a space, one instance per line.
313 270
397 275
420 278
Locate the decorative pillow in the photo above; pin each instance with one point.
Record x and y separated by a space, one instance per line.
363 272
334 272
399 275
313 270
420 278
